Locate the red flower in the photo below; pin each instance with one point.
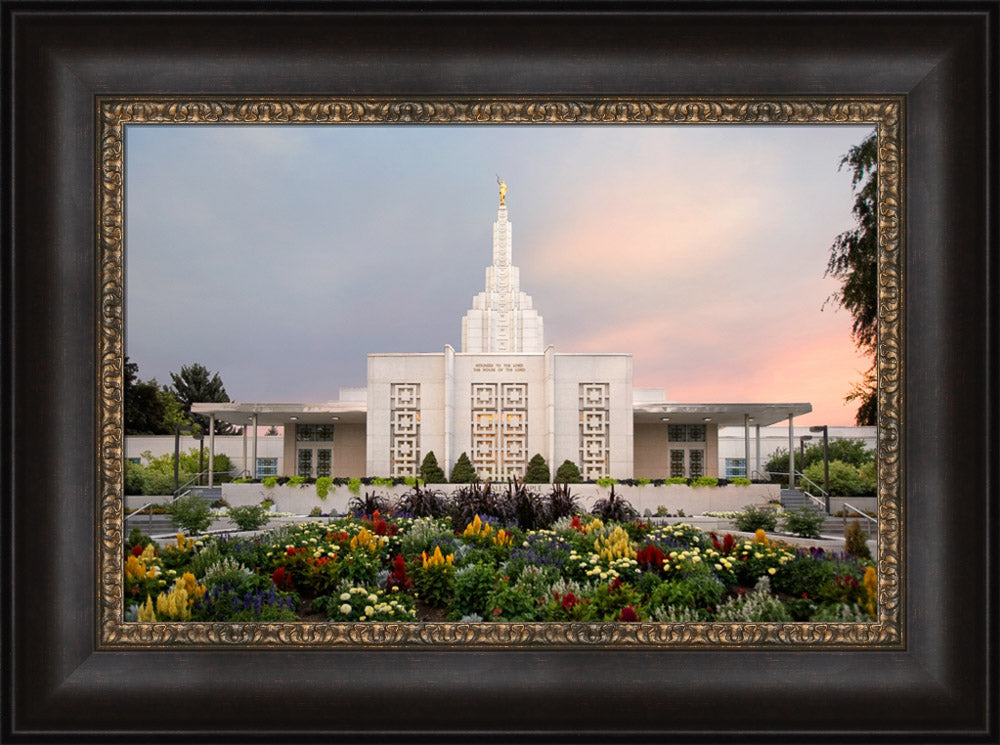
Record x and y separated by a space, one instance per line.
576 524
137 550
398 576
616 584
282 579
650 557
569 600
628 614
728 544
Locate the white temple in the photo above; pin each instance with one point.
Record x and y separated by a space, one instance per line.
503 398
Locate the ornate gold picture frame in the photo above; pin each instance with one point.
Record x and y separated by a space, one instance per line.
886 114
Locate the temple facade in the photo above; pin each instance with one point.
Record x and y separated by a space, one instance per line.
502 398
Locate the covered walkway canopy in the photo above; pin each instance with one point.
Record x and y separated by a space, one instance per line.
254 415
728 415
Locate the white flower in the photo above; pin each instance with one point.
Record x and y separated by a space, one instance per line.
369 611
345 596
345 608
373 598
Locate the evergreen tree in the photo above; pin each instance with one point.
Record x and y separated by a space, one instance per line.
568 473
148 409
538 470
463 472
195 384
430 471
854 261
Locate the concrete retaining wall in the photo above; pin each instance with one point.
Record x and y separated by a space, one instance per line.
692 500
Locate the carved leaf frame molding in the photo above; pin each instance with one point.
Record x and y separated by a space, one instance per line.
113 114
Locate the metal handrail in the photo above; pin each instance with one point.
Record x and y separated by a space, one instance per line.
818 501
177 494
800 475
865 515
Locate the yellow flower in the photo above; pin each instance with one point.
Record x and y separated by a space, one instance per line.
871 586
146 612
436 559
477 529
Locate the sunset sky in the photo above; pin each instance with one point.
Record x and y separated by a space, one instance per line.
279 256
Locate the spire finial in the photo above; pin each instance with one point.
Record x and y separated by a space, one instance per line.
503 191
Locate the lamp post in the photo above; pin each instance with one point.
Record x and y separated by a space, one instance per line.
825 429
802 448
178 428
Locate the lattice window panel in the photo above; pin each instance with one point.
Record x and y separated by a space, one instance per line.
499 429
595 416
404 429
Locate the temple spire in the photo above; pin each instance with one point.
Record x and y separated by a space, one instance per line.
501 318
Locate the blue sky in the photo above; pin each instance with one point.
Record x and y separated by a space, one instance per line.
280 255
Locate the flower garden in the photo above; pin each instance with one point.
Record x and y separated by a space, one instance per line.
574 568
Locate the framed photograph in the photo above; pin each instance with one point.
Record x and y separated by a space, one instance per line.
925 666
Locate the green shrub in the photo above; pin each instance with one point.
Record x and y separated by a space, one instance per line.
700 590
568 473
705 481
537 471
249 517
803 521
855 542
315 512
740 481
190 514
269 481
473 585
803 574
606 482
676 480
323 484
759 606
430 471
134 478
845 481
296 481
463 472
753 519
354 485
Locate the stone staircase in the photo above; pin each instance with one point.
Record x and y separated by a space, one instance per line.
162 524
793 499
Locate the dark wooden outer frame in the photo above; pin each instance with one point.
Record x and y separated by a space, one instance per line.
58 58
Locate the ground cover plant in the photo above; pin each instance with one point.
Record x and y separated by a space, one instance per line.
485 566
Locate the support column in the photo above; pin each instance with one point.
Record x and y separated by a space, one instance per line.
746 445
254 449
756 439
791 451
245 469
211 450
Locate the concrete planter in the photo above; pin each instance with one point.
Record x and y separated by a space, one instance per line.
302 499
